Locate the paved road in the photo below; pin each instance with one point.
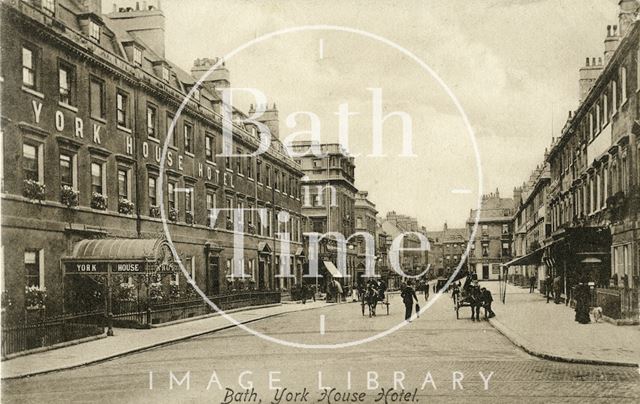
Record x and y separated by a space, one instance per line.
431 348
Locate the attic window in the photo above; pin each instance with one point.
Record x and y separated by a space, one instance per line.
196 95
94 31
137 56
165 73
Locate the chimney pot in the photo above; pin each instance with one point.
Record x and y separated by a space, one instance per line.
608 30
599 61
587 62
137 6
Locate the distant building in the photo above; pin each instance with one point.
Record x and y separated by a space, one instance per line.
447 249
328 202
411 262
365 213
491 247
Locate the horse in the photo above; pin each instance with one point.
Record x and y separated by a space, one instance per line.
371 300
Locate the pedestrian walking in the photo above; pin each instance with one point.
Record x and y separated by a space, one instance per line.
556 289
548 285
408 296
304 292
532 283
487 299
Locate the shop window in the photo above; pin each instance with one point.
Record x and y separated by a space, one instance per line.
122 109
96 95
29 67
152 121
32 162
66 84
33 262
188 138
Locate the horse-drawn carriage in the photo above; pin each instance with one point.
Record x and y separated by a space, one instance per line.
468 296
370 298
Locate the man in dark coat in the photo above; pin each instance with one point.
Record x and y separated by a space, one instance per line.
487 299
408 296
532 283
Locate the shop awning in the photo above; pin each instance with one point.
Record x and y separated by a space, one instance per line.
332 269
119 249
533 258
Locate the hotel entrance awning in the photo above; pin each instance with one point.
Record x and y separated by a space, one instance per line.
332 269
529 259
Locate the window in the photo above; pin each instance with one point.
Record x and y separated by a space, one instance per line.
208 147
259 171
605 109
317 163
165 73
122 109
485 249
211 204
267 178
485 228
239 161
153 191
96 95
174 137
230 210
623 85
97 178
33 268
250 167
28 67
598 118
123 183
152 121
188 138
505 229
614 97
137 56
49 7
67 168
188 200
31 162
94 31
171 194
276 179
66 81
505 249
359 222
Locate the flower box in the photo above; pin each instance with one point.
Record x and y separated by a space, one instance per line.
69 196
98 201
154 211
188 217
34 190
35 297
125 206
173 214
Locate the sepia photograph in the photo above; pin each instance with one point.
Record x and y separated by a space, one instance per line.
320 201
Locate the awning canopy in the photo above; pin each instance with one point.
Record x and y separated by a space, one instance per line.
529 259
119 249
332 269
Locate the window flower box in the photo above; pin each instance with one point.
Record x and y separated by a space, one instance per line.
125 206
174 290
34 190
98 201
126 292
156 294
69 196
173 214
252 228
229 224
154 211
188 217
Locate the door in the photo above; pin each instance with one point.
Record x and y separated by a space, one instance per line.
214 275
261 284
485 272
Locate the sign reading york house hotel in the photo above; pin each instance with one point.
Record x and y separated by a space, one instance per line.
165 239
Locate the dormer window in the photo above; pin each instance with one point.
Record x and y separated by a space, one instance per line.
196 95
94 31
137 56
49 7
165 74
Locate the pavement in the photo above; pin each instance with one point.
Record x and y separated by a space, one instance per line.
424 357
127 341
548 330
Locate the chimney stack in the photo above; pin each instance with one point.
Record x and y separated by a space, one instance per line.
588 75
626 16
611 42
147 23
218 79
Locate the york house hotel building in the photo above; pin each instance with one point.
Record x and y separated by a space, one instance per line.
87 102
594 197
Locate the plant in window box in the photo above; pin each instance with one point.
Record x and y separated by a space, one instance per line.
174 290
188 217
154 211
173 214
34 297
69 196
98 201
125 292
34 190
229 224
252 228
156 293
125 206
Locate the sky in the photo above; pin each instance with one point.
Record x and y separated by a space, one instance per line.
511 64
